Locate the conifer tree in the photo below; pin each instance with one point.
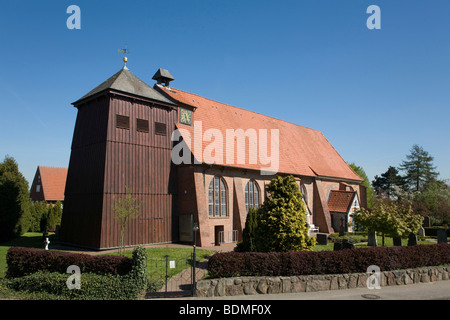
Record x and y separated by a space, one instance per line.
282 219
419 168
249 232
387 183
15 204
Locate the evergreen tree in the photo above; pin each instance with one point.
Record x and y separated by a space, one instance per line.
15 204
45 217
387 183
249 232
38 210
419 168
282 219
54 216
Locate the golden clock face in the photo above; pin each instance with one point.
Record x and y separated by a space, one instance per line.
185 116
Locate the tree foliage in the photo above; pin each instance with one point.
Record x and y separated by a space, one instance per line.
389 218
15 204
370 192
419 168
126 209
279 225
249 233
419 186
388 183
54 215
434 201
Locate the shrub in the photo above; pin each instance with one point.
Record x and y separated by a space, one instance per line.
279 225
93 286
229 264
24 261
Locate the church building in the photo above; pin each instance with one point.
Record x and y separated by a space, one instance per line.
189 160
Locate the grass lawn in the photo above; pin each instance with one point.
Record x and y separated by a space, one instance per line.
29 240
156 262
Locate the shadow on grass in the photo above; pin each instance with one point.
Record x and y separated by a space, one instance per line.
28 240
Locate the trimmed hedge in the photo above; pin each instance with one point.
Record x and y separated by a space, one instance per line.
93 286
432 231
231 264
24 261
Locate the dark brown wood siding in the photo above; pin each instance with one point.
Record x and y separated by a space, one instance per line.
81 220
140 161
107 158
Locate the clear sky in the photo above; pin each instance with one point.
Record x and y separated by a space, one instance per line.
372 93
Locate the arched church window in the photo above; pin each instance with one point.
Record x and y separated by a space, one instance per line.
252 193
217 198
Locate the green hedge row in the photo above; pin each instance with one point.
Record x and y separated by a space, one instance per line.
231 264
93 286
24 261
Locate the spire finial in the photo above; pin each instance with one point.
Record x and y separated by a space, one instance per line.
125 51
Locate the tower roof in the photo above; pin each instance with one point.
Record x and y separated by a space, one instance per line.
125 81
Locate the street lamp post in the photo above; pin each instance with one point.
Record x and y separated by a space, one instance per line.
194 282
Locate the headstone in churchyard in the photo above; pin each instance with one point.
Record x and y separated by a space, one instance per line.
397 241
372 239
347 244
412 239
421 232
426 222
322 239
442 236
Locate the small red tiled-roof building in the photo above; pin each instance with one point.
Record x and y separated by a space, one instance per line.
48 184
342 204
188 160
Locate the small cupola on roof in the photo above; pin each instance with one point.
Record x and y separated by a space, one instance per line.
163 76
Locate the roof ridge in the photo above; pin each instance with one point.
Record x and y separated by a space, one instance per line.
41 166
229 105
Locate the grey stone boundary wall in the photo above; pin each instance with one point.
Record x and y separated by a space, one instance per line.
309 283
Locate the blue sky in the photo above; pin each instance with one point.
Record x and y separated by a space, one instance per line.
372 93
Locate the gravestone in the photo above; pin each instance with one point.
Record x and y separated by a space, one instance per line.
426 222
322 239
343 244
412 239
372 239
442 236
347 244
421 232
397 241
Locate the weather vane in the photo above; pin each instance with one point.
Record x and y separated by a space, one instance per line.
125 51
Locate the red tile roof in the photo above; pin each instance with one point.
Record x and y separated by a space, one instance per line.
340 200
302 151
53 180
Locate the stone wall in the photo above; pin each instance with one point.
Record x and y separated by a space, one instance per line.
309 283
